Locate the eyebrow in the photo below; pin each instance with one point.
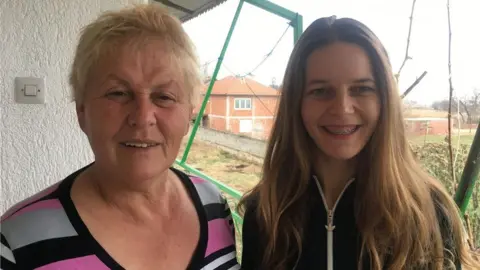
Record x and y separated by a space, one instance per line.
114 77
361 80
159 86
364 80
166 84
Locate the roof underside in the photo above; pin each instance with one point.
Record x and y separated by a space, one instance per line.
186 10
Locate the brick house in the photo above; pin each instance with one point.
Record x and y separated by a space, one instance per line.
240 106
419 125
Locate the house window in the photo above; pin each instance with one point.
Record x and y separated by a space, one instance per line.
243 104
245 126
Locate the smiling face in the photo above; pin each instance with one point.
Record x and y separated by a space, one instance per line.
135 111
340 106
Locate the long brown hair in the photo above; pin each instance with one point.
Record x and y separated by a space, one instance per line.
407 202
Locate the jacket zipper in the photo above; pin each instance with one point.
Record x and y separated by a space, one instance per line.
330 227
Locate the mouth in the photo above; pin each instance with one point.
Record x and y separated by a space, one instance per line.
140 144
341 130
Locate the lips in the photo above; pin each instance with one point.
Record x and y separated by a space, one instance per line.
140 143
341 129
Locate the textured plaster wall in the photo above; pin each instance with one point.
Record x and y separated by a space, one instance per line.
41 144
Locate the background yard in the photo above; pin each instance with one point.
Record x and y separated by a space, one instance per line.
241 171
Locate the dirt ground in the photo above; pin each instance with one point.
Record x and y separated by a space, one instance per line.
235 170
240 171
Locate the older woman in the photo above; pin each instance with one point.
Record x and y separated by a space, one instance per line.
135 79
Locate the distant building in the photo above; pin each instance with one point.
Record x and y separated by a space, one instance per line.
240 106
427 125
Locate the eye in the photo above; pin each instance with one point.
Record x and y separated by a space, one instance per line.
361 89
118 95
162 99
320 92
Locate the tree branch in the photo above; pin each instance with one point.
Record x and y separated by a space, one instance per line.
407 57
410 88
471 238
450 151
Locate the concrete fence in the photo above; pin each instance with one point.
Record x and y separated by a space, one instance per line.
236 142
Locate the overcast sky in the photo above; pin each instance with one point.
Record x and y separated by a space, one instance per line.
257 31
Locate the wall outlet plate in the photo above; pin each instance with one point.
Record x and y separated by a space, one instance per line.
30 90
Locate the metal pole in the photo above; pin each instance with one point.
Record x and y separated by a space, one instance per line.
212 82
469 175
297 28
273 8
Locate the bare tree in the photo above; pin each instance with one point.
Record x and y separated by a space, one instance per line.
274 84
450 151
408 57
471 105
468 106
410 88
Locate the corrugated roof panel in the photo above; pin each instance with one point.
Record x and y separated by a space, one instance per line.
186 10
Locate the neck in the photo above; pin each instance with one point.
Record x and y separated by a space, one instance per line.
333 175
138 200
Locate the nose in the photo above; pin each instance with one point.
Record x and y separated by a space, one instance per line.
342 103
142 113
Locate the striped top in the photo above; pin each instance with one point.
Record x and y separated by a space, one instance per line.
45 232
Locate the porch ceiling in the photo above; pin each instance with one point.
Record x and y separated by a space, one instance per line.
186 10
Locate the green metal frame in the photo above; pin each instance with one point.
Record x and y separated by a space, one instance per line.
472 166
469 175
296 21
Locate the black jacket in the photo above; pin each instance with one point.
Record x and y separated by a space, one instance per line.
346 237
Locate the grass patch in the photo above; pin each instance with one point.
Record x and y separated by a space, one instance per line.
239 174
242 174
420 140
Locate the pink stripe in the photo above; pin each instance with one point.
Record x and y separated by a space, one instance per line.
219 235
47 204
197 180
90 262
33 198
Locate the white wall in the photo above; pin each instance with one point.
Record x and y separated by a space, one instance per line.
41 144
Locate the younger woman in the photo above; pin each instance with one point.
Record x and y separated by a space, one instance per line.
341 188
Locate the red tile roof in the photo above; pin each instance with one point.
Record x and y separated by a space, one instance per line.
235 86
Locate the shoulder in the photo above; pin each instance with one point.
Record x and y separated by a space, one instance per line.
446 226
251 205
251 228
207 196
251 235
443 215
36 219
220 250
40 200
206 190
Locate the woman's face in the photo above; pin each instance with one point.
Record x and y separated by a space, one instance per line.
340 105
135 111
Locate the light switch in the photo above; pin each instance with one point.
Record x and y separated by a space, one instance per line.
30 90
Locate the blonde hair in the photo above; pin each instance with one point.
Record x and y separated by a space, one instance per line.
403 215
137 24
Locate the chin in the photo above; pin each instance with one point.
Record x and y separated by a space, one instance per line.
341 154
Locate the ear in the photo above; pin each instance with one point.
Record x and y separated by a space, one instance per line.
190 114
80 108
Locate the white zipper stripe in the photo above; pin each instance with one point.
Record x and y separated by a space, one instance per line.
330 249
330 227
